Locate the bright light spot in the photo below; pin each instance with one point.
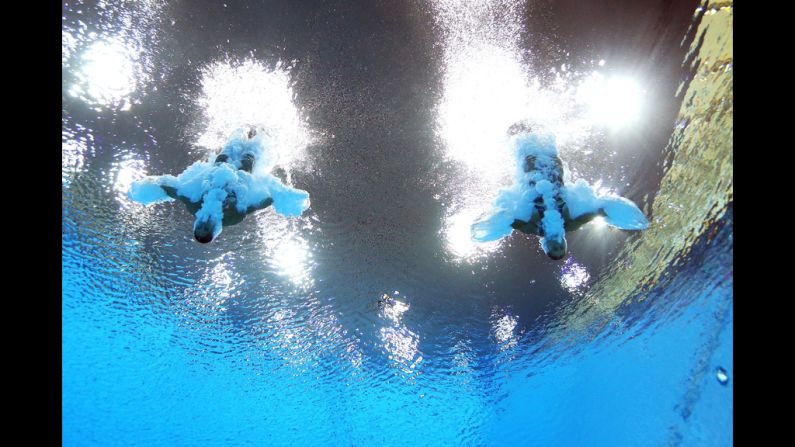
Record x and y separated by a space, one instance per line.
250 94
504 328
393 309
400 343
613 102
127 171
573 276
599 222
213 290
107 74
291 259
220 276
402 346
284 249
603 190
458 234
484 95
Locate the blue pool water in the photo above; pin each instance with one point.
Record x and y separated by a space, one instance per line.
133 378
374 318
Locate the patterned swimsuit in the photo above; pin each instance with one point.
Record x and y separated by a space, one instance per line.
543 167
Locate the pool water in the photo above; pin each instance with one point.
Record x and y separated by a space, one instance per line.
373 319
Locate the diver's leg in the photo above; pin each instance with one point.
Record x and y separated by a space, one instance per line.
280 174
526 227
622 213
232 217
170 191
259 206
530 163
556 176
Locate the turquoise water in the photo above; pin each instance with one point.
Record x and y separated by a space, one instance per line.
373 318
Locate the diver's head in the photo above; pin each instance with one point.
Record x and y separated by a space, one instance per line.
555 248
203 232
209 218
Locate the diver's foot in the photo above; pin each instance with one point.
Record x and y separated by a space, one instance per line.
520 127
247 162
252 132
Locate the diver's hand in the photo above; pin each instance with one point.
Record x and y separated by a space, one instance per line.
622 213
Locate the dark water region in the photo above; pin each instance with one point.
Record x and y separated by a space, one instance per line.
369 95
369 74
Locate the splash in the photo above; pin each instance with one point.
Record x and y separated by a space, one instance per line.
248 93
211 184
488 87
544 181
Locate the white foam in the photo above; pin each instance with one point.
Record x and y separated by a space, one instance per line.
581 198
211 183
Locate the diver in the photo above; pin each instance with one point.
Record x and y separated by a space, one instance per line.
224 192
542 205
205 229
246 162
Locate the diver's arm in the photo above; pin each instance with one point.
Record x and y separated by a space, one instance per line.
530 227
575 224
193 207
172 192
259 206
233 217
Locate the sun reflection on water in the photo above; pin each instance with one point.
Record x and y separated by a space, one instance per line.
292 259
574 276
128 170
108 74
458 235
614 102
400 343
503 328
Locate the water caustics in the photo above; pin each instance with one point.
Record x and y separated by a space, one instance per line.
269 336
249 93
245 93
108 74
701 170
112 58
